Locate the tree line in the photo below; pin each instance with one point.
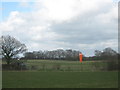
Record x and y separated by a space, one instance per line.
106 54
11 48
73 55
58 54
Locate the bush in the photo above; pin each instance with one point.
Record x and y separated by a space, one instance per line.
112 66
15 65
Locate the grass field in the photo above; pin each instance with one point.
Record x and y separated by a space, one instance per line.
60 65
39 79
61 74
53 65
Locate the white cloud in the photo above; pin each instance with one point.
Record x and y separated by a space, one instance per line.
79 24
65 10
12 21
109 16
41 33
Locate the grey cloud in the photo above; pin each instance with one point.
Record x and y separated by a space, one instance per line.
85 30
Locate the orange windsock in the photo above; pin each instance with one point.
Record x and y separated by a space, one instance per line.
80 57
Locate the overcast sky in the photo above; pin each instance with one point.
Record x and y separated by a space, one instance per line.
84 25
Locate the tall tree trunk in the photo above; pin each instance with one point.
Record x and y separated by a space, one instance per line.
8 61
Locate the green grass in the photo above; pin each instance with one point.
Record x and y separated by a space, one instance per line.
37 79
51 65
61 65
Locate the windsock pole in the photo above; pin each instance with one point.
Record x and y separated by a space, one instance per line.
80 57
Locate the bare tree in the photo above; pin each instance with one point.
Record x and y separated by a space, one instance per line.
109 52
10 47
98 53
